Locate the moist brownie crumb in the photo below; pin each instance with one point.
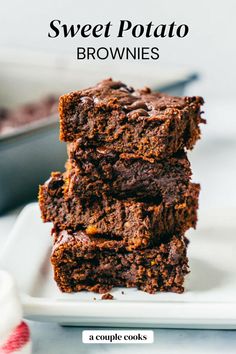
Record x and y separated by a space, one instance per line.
91 172
137 224
141 123
83 262
107 296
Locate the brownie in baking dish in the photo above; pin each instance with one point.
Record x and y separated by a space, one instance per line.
93 171
138 122
84 262
138 224
15 118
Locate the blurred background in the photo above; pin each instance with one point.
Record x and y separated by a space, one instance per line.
35 70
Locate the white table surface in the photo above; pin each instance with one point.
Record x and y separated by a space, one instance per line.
214 162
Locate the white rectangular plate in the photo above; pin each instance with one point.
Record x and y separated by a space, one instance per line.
208 302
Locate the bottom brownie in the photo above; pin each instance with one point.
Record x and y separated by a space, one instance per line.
83 262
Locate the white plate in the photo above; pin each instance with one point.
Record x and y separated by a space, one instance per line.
209 300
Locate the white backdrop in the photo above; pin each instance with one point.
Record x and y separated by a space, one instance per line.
209 48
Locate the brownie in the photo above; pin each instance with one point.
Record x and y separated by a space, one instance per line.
138 224
138 122
84 262
92 171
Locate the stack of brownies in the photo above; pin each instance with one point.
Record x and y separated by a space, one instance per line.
125 201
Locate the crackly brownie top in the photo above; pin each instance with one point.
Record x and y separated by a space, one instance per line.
136 103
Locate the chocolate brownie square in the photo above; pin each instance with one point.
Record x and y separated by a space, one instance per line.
137 122
93 171
138 224
84 262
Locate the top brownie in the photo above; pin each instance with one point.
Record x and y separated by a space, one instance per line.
137 122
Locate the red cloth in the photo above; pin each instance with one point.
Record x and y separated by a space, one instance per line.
17 340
